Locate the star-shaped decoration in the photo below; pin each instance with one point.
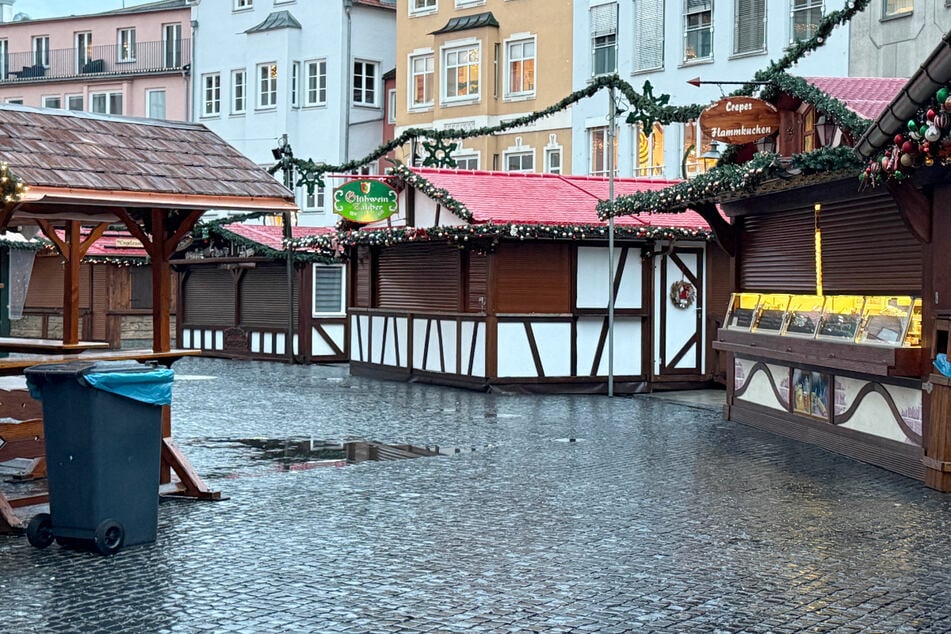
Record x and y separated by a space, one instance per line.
440 153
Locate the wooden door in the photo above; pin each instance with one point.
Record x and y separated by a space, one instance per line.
679 306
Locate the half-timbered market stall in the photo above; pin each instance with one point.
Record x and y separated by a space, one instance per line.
502 281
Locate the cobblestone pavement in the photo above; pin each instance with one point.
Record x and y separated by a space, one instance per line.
660 517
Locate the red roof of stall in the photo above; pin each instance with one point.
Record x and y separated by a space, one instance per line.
548 199
866 96
272 236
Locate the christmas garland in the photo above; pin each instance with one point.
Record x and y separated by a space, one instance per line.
438 195
11 187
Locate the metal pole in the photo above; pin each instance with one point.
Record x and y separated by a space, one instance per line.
288 169
611 134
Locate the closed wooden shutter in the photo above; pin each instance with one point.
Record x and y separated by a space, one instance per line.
477 295
777 252
362 265
866 249
263 293
533 277
208 297
420 277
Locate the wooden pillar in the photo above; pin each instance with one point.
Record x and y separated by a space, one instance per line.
936 328
71 283
161 285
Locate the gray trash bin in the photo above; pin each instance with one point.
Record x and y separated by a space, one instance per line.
103 427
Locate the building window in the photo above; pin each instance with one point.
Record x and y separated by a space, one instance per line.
74 102
422 69
466 161
604 38
698 30
464 4
155 104
15 101
419 6
243 4
461 72
649 157
329 290
41 50
312 201
52 101
316 94
648 34
598 164
83 50
391 106
364 83
172 45
126 46
749 33
695 146
4 64
805 19
521 64
105 102
267 86
553 160
239 89
212 88
295 84
523 161
892 8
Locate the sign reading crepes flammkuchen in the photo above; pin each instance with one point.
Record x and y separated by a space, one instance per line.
739 120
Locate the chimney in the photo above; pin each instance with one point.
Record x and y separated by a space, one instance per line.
6 10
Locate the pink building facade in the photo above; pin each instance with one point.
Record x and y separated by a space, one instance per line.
133 62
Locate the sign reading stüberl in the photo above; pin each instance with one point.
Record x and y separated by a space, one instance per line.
739 120
365 201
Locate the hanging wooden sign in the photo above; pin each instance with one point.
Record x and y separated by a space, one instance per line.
365 201
739 120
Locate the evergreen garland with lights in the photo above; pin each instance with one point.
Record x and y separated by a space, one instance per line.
11 187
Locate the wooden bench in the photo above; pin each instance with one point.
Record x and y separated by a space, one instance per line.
48 346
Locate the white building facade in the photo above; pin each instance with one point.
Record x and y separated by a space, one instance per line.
310 69
669 42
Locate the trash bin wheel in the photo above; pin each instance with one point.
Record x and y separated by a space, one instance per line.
39 532
109 537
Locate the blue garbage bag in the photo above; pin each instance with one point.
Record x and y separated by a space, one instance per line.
153 387
942 365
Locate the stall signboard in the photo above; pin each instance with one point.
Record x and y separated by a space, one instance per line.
365 201
739 120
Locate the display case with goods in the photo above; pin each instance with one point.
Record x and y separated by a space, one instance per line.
803 315
891 321
840 318
770 317
741 311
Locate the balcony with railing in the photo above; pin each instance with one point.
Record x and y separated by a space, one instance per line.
138 58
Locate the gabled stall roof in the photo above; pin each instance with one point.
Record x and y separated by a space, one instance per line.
77 158
272 236
865 96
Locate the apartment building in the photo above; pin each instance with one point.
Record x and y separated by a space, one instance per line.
668 42
891 37
134 61
310 69
469 64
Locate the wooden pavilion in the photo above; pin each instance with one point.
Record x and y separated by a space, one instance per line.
155 178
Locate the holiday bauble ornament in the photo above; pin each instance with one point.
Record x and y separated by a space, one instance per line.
929 161
909 146
942 94
942 120
906 160
930 114
947 104
898 175
926 147
912 125
899 139
932 133
876 167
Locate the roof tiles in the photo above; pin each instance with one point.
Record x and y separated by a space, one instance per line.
866 96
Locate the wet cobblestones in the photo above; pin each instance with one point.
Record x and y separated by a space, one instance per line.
659 518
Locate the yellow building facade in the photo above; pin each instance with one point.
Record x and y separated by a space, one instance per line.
466 64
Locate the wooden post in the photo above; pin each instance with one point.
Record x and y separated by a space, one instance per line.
161 286
71 283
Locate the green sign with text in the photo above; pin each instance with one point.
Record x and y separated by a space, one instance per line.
365 201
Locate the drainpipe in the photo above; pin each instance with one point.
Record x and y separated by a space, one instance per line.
348 86
190 86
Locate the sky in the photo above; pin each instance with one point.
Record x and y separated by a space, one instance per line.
37 9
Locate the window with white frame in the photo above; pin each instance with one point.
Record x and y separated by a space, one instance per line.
316 73
749 31
83 41
41 50
649 154
698 29
421 75
295 84
520 60
4 65
365 76
648 35
125 52
604 38
421 6
391 106
105 102
598 144
172 44
211 84
267 85
466 161
519 158
52 101
239 91
155 103
805 19
329 290
74 102
461 67
553 156
312 200
465 4
894 8
16 101
243 4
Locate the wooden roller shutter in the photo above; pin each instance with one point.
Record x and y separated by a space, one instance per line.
419 277
777 252
533 277
208 297
866 248
263 293
46 283
362 266
477 293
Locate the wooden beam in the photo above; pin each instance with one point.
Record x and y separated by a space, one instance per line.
186 226
50 232
6 214
161 285
722 230
136 231
193 485
71 283
914 207
94 235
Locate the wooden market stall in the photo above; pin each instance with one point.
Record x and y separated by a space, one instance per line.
500 281
155 178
